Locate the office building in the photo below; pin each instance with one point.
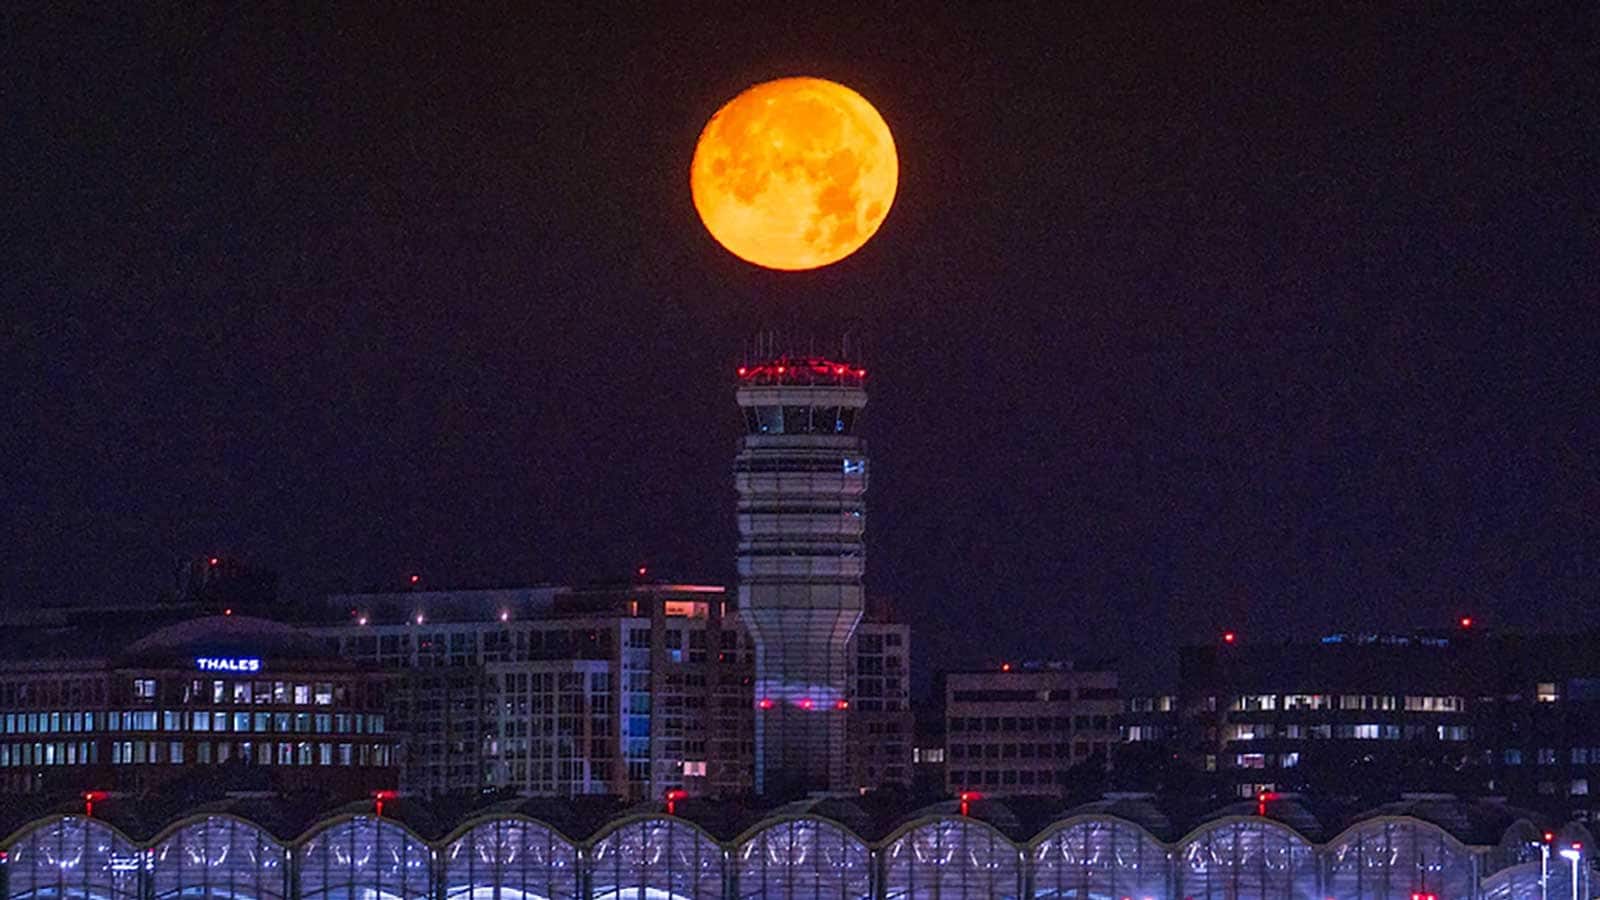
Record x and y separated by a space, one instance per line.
238 702
1024 727
630 690
879 722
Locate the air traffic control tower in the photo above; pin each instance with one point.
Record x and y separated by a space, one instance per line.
801 476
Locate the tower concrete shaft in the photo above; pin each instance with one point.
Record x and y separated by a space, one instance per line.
801 476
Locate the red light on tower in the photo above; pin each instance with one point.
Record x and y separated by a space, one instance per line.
766 703
1229 637
415 578
673 796
806 703
214 562
1465 622
742 371
842 704
643 571
228 611
1005 667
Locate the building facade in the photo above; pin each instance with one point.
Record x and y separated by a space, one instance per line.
239 702
1023 729
880 725
631 690
1380 855
801 478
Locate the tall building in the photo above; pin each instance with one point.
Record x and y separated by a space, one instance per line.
1024 728
801 477
628 690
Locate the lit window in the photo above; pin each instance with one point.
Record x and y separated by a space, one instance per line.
1579 787
694 769
1546 692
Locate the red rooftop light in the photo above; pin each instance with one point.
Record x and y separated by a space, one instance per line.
89 800
842 704
806 703
966 799
1005 667
1466 622
214 560
673 796
766 703
378 799
1262 799
1229 637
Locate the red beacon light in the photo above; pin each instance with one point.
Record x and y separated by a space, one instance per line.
966 800
381 797
90 798
214 561
842 704
1005 667
766 703
415 578
806 703
1262 799
1465 622
673 796
1419 895
1229 637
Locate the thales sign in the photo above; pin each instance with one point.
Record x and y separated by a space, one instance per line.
227 664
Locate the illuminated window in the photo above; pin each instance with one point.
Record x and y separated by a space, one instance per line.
1546 692
144 688
1579 787
302 695
1547 756
694 769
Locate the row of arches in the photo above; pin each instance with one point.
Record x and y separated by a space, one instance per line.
664 858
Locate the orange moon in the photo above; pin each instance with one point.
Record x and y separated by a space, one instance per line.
794 174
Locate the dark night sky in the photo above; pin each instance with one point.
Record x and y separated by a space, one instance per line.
1180 321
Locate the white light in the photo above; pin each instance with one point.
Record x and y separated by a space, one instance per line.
1571 855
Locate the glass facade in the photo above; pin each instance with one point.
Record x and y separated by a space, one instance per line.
1247 860
365 858
656 859
511 859
1394 858
218 857
663 858
804 858
1097 858
951 859
73 857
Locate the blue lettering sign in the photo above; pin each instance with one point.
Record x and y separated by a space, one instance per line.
227 664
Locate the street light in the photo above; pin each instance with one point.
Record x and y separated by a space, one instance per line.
1544 865
1572 855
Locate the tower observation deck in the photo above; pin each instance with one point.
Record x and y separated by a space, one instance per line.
801 477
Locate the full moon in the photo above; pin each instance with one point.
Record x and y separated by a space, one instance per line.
794 174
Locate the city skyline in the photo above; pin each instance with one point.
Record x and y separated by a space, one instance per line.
1264 322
